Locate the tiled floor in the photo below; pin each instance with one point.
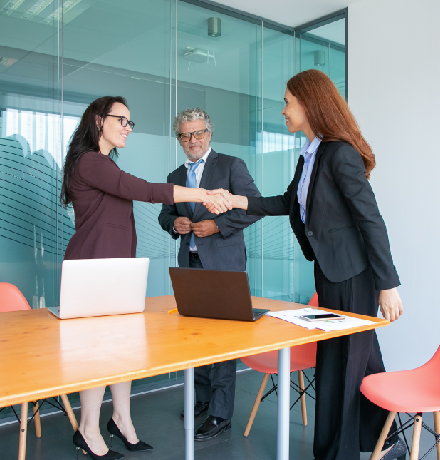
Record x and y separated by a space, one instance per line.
156 418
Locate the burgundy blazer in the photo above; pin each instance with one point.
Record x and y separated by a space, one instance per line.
102 198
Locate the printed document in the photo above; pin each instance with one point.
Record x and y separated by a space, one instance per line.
293 316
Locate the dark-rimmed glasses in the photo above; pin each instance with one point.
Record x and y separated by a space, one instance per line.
186 137
123 120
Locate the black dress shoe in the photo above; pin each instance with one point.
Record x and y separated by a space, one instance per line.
211 428
80 443
199 409
113 429
398 451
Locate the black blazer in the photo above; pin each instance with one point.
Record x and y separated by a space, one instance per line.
344 230
225 250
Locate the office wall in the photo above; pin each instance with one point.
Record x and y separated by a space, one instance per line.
393 74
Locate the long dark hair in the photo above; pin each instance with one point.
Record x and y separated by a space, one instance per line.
328 114
86 138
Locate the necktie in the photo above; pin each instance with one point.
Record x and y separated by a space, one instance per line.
191 182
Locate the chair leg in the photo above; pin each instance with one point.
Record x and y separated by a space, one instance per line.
383 435
416 437
69 411
256 404
303 397
37 419
23 431
71 415
437 430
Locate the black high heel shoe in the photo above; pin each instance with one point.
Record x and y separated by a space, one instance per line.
80 443
398 451
113 429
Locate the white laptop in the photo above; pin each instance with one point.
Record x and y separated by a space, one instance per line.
99 287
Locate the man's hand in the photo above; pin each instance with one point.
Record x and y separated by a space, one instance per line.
390 304
204 228
182 225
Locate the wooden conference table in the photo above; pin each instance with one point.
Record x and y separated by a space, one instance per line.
41 356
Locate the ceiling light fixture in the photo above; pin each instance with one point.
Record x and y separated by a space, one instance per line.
214 27
319 58
11 6
56 15
198 55
37 9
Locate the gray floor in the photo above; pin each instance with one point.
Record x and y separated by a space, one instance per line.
156 418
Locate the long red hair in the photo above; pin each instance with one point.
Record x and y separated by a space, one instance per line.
328 114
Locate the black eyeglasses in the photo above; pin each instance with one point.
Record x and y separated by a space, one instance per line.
123 120
186 137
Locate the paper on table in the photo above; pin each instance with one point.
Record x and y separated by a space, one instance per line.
293 316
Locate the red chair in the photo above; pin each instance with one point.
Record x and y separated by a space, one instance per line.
414 391
11 299
301 357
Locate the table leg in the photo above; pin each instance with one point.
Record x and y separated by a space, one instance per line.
189 413
283 404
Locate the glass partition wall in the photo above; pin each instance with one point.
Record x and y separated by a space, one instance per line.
163 56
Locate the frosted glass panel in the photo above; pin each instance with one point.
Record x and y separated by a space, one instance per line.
32 225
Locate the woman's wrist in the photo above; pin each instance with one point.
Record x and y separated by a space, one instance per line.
202 196
239 201
189 195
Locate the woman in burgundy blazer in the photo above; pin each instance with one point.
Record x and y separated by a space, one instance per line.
102 197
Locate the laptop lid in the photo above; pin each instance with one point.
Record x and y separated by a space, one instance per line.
98 287
216 294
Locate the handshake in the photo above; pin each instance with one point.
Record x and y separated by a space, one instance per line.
218 201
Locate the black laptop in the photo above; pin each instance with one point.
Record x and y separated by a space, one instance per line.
216 294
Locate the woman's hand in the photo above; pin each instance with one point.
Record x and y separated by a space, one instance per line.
390 304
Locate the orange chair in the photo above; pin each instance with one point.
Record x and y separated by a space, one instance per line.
414 391
11 299
301 357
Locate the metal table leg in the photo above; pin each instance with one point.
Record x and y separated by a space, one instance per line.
189 413
283 404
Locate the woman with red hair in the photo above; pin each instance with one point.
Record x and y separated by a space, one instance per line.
334 215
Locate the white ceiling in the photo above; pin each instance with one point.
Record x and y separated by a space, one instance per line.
288 12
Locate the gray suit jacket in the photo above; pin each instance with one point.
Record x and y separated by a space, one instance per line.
224 250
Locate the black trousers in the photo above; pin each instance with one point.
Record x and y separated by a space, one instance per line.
215 383
347 423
